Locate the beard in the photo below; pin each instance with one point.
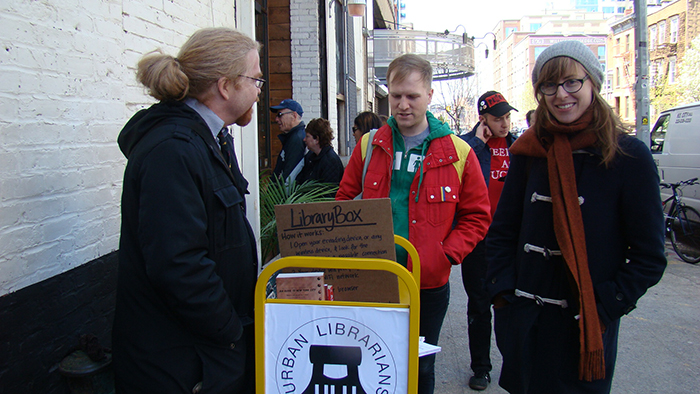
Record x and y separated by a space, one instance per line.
244 119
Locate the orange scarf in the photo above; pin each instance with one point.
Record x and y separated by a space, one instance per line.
568 227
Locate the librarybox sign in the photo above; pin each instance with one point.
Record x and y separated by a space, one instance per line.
357 228
350 229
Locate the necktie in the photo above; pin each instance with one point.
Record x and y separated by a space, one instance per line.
226 143
226 148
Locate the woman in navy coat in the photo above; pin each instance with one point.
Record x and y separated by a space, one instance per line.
321 163
577 237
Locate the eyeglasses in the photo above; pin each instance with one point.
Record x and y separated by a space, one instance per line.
281 114
570 86
259 82
354 129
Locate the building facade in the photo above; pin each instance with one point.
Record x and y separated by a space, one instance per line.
521 41
608 7
61 170
668 41
620 78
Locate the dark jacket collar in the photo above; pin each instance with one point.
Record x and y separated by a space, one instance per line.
297 131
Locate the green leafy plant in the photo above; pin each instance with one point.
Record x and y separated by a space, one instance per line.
273 192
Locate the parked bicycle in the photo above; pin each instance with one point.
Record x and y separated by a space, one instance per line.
682 222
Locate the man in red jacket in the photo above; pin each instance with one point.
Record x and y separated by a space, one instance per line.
432 177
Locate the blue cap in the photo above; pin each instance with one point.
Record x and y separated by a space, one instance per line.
288 104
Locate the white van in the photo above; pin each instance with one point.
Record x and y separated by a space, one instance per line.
675 144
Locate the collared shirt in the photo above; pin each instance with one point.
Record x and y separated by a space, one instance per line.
213 120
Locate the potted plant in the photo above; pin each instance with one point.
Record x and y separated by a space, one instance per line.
274 191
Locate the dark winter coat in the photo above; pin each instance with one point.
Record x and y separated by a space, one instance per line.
187 256
325 167
292 153
623 224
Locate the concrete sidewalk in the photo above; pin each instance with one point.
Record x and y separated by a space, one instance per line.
658 351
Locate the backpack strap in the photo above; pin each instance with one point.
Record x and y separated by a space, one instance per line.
368 157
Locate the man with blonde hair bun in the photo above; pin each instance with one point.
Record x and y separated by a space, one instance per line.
187 254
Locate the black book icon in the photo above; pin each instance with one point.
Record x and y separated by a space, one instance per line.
349 356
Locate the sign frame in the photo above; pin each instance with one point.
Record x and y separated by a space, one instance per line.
409 298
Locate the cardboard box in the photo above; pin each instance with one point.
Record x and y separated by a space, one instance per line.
350 229
301 286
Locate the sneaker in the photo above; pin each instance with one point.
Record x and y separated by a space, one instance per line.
480 381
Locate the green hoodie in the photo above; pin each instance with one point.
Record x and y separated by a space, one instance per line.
402 178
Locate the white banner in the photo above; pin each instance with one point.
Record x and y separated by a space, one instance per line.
312 349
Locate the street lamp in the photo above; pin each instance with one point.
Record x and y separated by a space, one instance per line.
481 38
465 37
486 51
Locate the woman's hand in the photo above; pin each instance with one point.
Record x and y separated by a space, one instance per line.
499 301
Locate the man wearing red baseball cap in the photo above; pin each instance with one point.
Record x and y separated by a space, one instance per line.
490 140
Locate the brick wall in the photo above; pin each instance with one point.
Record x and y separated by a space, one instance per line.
304 28
69 86
692 21
42 323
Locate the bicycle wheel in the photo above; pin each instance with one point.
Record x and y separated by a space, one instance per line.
685 234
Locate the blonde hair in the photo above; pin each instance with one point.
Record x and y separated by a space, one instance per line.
208 55
401 67
605 124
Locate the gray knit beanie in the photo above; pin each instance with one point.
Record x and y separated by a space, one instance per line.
575 50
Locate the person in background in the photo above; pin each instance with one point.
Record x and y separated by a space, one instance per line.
364 122
321 163
291 158
578 234
432 177
187 255
529 118
490 140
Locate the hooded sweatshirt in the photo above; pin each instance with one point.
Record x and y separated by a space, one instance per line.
446 184
406 165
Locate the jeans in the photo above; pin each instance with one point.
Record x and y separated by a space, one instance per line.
433 307
474 269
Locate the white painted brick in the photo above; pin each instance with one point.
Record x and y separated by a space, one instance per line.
139 27
41 257
302 73
58 228
25 187
60 168
193 10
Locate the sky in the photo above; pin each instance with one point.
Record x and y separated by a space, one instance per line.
477 16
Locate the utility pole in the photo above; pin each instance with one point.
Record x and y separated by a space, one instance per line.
641 88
